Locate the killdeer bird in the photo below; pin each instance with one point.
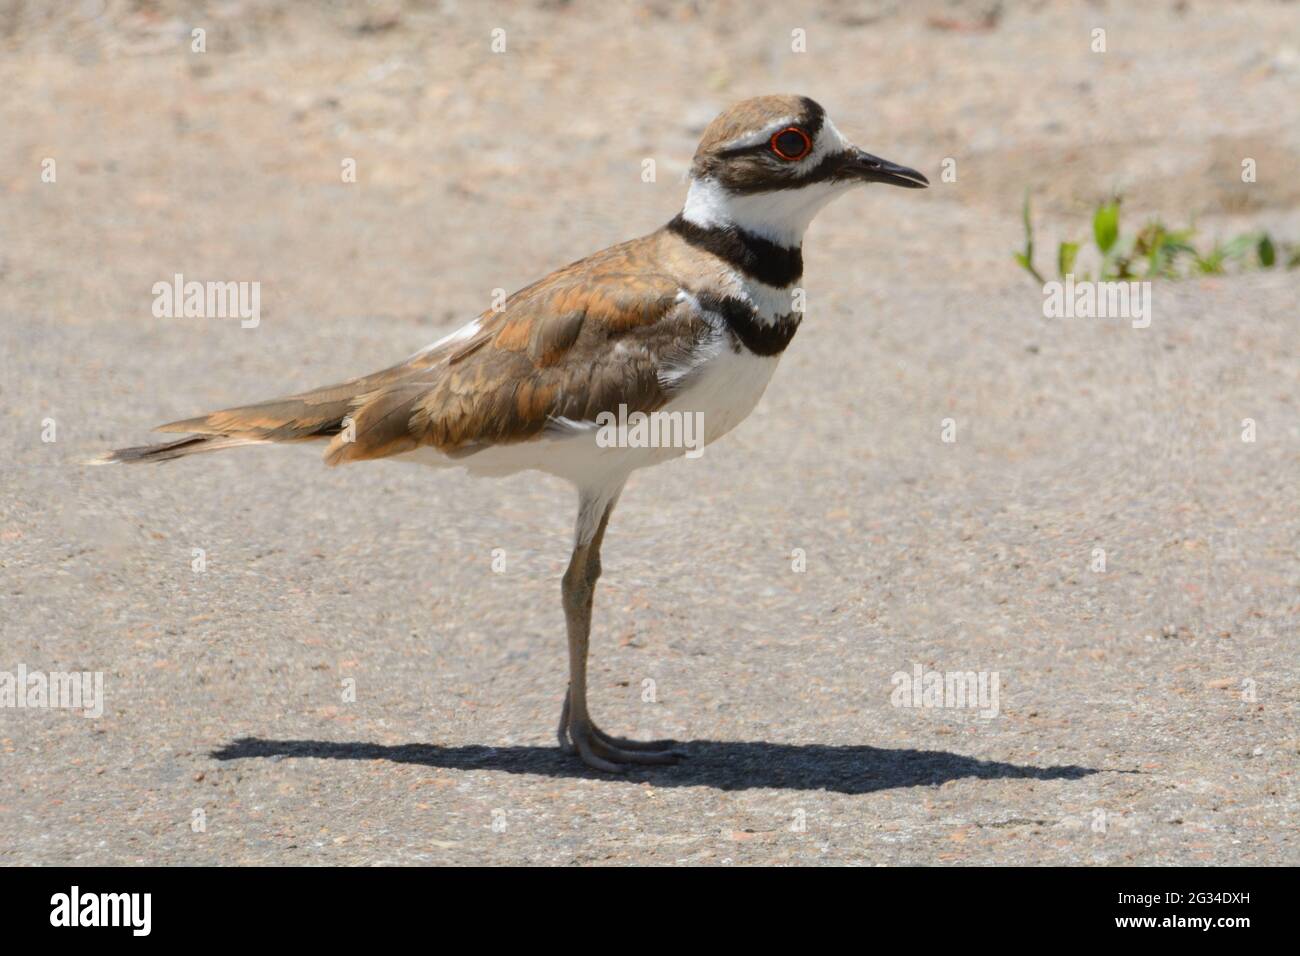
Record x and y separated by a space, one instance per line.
692 318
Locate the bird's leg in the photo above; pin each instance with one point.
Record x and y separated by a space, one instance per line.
576 731
566 744
562 732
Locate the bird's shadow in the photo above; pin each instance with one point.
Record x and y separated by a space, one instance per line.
724 765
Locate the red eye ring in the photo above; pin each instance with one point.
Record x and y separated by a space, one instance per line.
807 143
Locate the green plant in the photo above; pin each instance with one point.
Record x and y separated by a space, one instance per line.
1162 248
1156 252
1026 258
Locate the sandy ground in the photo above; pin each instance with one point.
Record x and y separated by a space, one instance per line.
1147 713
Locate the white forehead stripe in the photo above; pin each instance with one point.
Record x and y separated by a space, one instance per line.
762 136
829 140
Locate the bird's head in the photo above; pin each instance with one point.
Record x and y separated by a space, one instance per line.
769 164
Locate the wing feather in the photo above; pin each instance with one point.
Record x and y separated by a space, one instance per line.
563 350
609 330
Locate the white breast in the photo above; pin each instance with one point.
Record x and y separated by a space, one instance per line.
725 389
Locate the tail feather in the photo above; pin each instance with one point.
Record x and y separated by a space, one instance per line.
310 416
172 449
286 419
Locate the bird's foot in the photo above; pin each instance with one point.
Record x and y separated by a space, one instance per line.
614 754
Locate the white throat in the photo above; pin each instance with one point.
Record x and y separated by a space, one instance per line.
780 216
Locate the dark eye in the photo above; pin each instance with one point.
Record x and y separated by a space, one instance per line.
791 143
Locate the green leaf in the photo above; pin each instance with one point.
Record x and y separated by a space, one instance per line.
1066 253
1212 264
1267 254
1026 258
1238 247
1105 226
1025 261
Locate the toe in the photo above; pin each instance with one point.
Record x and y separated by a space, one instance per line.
594 760
613 754
656 757
622 743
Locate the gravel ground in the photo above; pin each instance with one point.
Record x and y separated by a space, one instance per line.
1147 712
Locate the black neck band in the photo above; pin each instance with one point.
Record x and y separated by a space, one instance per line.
753 255
761 338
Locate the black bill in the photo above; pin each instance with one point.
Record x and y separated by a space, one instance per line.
873 169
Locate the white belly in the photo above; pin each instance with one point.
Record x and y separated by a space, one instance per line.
726 390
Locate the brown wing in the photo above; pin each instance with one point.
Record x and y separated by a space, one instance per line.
564 350
586 339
